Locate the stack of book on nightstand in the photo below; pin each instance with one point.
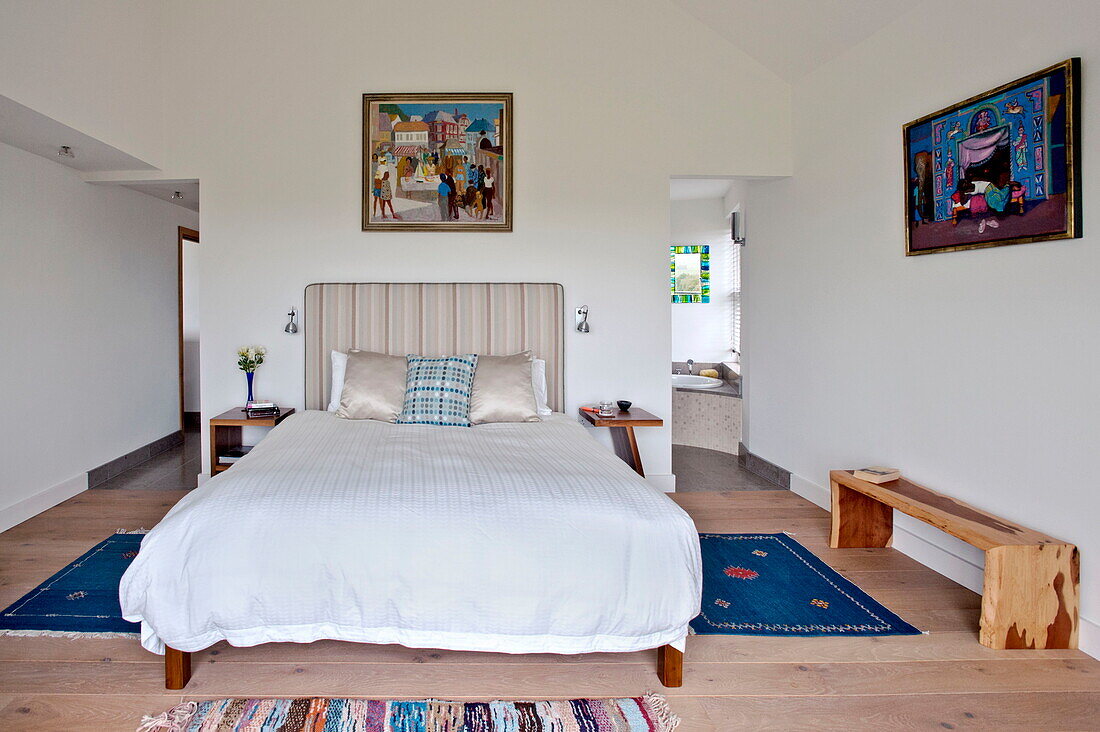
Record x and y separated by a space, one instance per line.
256 409
233 454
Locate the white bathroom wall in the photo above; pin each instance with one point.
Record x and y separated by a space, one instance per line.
705 331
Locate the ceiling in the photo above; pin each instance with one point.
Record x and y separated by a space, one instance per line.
793 37
689 189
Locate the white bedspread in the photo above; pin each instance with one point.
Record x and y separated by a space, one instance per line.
519 538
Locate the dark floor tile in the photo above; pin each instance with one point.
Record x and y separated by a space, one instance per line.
171 460
124 481
182 480
699 469
175 468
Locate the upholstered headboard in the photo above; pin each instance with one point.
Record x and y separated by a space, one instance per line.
433 319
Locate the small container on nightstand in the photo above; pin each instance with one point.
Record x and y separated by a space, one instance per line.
225 433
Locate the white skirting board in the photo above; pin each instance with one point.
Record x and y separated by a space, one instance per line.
939 553
19 512
666 482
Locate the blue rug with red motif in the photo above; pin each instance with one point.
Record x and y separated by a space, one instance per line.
769 584
81 599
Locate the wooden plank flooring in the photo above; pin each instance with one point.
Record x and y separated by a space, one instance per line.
944 680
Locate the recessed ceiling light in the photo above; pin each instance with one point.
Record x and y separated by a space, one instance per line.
65 152
177 195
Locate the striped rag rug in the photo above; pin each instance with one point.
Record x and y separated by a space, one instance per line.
649 713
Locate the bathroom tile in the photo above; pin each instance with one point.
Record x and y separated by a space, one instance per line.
696 367
706 420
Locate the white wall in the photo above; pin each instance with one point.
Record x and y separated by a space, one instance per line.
267 113
975 372
704 331
94 65
88 327
191 391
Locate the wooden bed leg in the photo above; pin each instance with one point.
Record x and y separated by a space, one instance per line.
177 668
670 666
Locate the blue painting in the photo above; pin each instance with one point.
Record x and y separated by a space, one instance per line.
1000 168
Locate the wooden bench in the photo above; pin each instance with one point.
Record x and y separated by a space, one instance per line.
1031 587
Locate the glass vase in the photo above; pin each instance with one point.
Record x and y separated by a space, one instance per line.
250 375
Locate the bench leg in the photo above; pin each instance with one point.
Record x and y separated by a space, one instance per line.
670 666
177 668
1030 598
859 521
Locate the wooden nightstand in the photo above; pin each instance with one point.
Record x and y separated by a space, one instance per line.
622 426
225 432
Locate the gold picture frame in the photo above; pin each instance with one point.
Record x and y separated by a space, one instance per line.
443 159
1002 167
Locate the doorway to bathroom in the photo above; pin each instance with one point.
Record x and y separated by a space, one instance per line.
706 225
187 288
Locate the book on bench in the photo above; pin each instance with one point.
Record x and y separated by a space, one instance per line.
877 474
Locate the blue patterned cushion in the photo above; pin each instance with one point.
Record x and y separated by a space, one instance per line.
437 390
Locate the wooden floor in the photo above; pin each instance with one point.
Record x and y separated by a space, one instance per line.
944 680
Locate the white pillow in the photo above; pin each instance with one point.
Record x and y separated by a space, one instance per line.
538 383
339 366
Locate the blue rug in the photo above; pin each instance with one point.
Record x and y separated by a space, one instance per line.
80 599
753 584
769 584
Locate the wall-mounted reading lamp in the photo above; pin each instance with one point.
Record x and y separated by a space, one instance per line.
292 326
582 319
737 234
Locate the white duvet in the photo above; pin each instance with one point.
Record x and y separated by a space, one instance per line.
519 538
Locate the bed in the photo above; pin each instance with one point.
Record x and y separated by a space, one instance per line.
510 537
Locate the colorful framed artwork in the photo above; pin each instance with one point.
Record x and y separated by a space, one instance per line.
437 162
690 273
1000 168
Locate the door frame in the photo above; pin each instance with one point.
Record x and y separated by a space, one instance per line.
183 234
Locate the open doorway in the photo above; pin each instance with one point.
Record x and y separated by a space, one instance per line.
188 330
706 218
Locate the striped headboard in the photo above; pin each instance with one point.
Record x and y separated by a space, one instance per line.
433 319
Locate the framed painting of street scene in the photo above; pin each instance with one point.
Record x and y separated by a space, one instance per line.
999 168
437 162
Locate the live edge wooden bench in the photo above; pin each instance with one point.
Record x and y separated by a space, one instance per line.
1031 587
